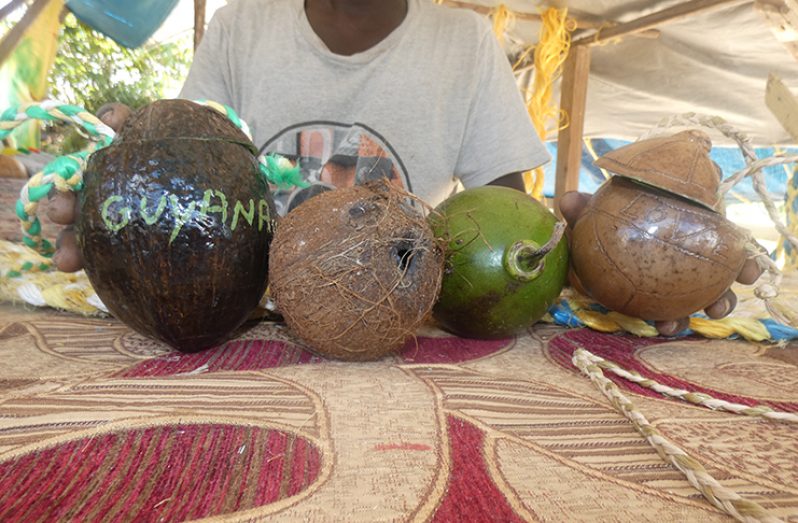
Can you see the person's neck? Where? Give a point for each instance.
(348, 27)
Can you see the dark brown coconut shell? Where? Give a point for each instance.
(653, 255)
(355, 271)
(679, 163)
(160, 259)
(181, 119)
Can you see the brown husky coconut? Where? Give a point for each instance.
(355, 271)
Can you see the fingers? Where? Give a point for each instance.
(67, 256)
(113, 114)
(750, 272)
(62, 207)
(671, 327)
(723, 306)
(572, 204)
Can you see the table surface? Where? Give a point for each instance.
(98, 422)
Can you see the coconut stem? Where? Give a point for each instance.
(525, 259)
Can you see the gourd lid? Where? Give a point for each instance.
(181, 119)
(678, 163)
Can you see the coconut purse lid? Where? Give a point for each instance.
(679, 164)
(178, 120)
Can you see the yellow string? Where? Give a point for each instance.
(550, 54)
(615, 322)
(748, 328)
(502, 19)
(68, 292)
(597, 35)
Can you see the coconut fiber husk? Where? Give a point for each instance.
(355, 271)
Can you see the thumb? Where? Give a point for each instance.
(114, 114)
(572, 204)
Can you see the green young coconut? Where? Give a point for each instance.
(506, 262)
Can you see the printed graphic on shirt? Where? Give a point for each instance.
(333, 155)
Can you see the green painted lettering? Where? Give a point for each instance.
(181, 215)
(123, 214)
(248, 215)
(117, 217)
(206, 207)
(151, 219)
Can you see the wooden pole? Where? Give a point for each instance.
(529, 61)
(10, 8)
(653, 20)
(573, 91)
(782, 16)
(11, 39)
(199, 21)
(573, 101)
(783, 104)
(582, 22)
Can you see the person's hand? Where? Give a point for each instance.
(63, 206)
(572, 204)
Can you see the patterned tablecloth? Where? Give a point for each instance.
(100, 424)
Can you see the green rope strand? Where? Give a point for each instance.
(65, 173)
(276, 169)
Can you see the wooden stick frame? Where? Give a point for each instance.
(574, 91)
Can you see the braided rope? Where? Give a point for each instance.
(37, 285)
(29, 274)
(696, 398)
(63, 174)
(579, 312)
(725, 499)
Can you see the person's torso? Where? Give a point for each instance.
(397, 110)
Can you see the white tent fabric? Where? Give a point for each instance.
(181, 19)
(716, 63)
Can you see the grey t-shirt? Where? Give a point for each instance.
(433, 103)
